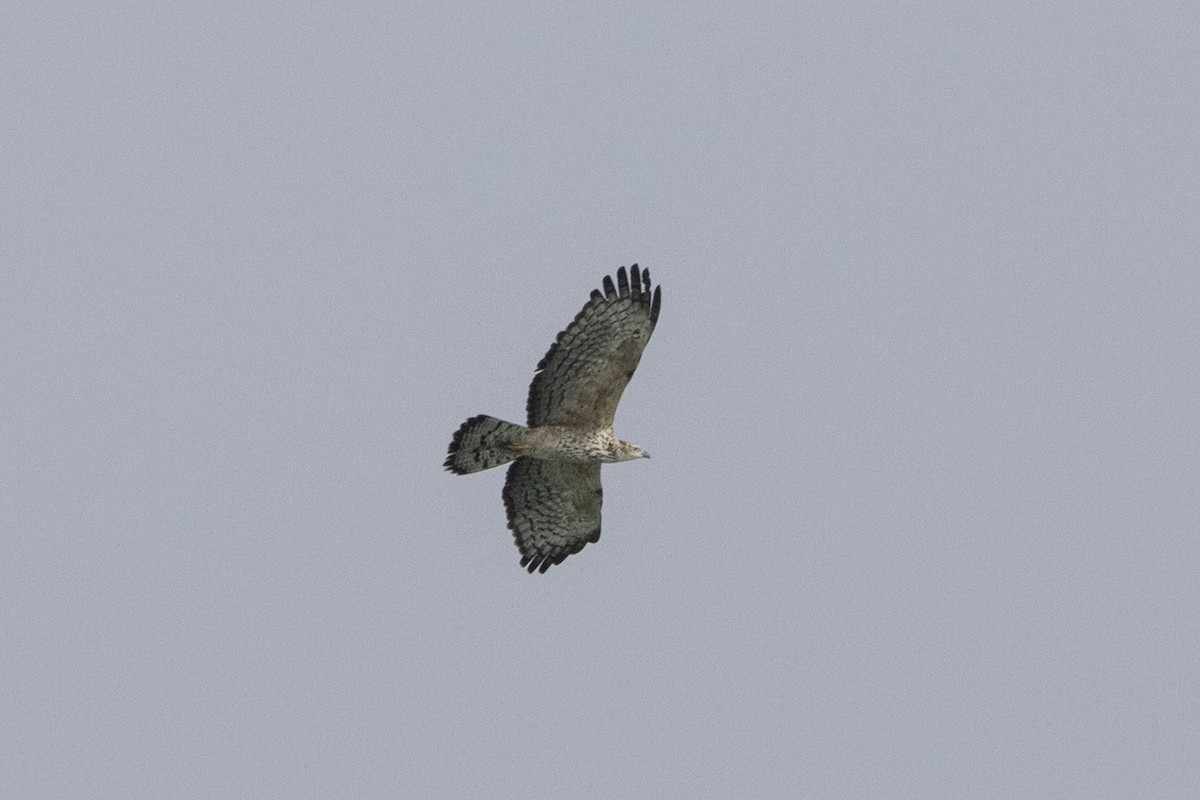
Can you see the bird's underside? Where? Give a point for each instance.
(552, 493)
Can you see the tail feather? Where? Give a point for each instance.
(481, 443)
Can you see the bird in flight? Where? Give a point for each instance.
(552, 493)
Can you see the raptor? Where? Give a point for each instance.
(552, 493)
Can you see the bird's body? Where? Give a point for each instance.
(552, 493)
(560, 443)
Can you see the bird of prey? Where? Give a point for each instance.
(552, 493)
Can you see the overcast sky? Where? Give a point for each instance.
(922, 519)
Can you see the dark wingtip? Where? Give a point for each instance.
(609, 289)
(540, 562)
(623, 281)
(656, 305)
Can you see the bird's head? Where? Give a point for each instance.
(628, 451)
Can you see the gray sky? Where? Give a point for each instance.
(922, 519)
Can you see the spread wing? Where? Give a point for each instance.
(580, 381)
(553, 509)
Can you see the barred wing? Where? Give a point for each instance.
(553, 509)
(582, 377)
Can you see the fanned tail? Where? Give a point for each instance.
(481, 443)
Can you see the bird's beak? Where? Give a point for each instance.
(645, 454)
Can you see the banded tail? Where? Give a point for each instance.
(481, 443)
